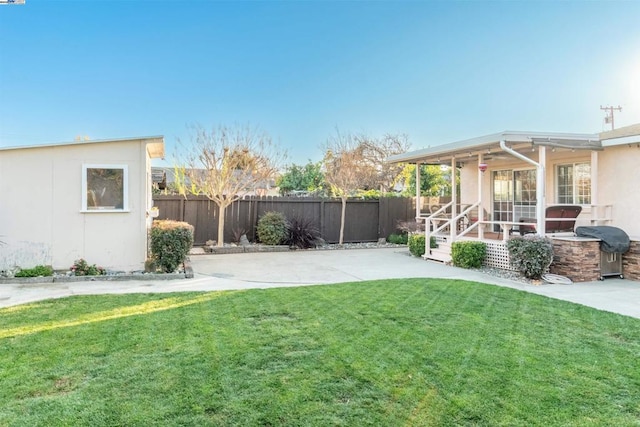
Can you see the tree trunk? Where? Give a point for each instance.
(342, 218)
(221, 209)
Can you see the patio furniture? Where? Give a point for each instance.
(559, 219)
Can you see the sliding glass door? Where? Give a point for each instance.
(514, 195)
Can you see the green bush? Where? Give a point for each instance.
(170, 243)
(531, 255)
(81, 267)
(398, 239)
(37, 271)
(468, 254)
(272, 228)
(416, 244)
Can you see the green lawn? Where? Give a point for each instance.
(384, 353)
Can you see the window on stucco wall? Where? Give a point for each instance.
(574, 183)
(105, 188)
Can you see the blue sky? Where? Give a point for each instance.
(438, 71)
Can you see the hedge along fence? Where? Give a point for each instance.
(367, 220)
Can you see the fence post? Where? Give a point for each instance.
(254, 217)
(322, 225)
(383, 205)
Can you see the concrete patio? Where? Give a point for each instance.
(303, 268)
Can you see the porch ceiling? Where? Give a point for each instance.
(489, 146)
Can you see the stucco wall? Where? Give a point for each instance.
(618, 181)
(41, 194)
(619, 185)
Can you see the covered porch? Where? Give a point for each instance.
(505, 183)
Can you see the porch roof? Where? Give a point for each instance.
(489, 146)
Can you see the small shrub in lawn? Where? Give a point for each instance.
(37, 271)
(81, 267)
(398, 239)
(170, 243)
(416, 244)
(531, 255)
(468, 254)
(272, 228)
(302, 233)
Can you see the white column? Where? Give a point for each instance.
(418, 194)
(541, 192)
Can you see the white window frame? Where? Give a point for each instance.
(574, 193)
(125, 187)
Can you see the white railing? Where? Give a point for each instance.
(439, 221)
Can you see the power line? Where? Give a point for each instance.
(609, 118)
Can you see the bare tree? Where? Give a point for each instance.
(225, 164)
(346, 170)
(375, 152)
(357, 162)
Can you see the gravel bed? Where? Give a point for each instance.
(508, 274)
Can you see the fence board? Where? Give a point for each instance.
(366, 220)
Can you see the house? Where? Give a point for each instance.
(82, 199)
(509, 176)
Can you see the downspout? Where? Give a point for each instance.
(594, 190)
(480, 208)
(540, 183)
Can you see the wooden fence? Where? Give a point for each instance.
(366, 220)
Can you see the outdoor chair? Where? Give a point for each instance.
(559, 219)
(472, 216)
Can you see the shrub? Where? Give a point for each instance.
(398, 239)
(272, 228)
(416, 244)
(302, 233)
(237, 234)
(170, 243)
(81, 267)
(37, 271)
(468, 254)
(531, 255)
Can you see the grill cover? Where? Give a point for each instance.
(612, 239)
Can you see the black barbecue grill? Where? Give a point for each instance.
(613, 243)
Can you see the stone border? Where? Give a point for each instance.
(215, 250)
(187, 274)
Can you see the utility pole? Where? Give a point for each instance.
(609, 117)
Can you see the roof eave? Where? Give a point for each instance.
(151, 139)
(488, 142)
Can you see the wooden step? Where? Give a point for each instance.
(442, 253)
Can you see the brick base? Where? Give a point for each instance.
(631, 262)
(578, 260)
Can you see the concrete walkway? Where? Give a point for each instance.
(296, 268)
